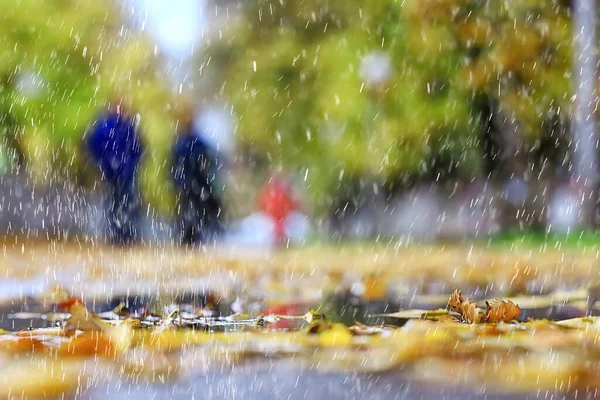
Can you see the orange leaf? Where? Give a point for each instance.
(30, 343)
(87, 344)
(501, 310)
(26, 344)
(374, 289)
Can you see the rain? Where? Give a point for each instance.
(298, 199)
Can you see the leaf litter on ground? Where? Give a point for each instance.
(168, 346)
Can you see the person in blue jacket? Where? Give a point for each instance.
(115, 145)
(195, 167)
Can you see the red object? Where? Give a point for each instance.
(276, 200)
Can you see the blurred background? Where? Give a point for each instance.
(420, 119)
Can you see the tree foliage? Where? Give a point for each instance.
(295, 76)
(60, 62)
(329, 89)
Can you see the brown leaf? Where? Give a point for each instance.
(468, 311)
(447, 318)
(471, 313)
(81, 318)
(455, 301)
(407, 314)
(498, 310)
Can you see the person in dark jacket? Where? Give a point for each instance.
(200, 213)
(115, 145)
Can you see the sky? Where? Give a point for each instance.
(175, 25)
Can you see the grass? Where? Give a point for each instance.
(577, 240)
(573, 240)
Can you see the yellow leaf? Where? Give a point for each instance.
(338, 335)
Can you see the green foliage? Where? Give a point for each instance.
(293, 75)
(585, 239)
(60, 61)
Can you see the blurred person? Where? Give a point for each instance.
(275, 200)
(195, 168)
(278, 219)
(115, 145)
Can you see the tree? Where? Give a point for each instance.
(334, 89)
(60, 61)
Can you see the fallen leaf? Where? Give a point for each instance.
(447, 318)
(337, 335)
(501, 310)
(35, 379)
(415, 314)
(81, 318)
(88, 344)
(469, 312)
(375, 289)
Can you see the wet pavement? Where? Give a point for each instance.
(277, 378)
(105, 276)
(285, 381)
